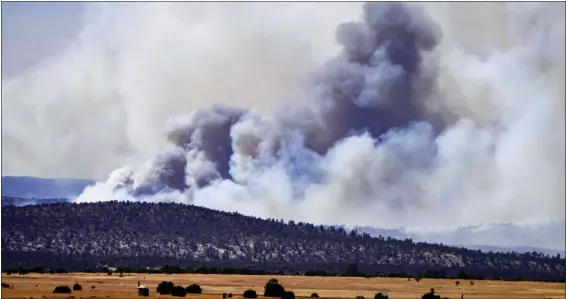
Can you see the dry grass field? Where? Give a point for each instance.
(42, 285)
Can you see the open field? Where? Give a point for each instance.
(42, 285)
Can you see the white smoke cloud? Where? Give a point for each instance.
(104, 101)
(415, 123)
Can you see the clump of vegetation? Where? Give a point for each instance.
(431, 295)
(380, 295)
(194, 289)
(457, 283)
(273, 289)
(472, 283)
(314, 295)
(250, 294)
(360, 297)
(93, 287)
(288, 295)
(5, 285)
(77, 287)
(62, 290)
(272, 281)
(178, 291)
(165, 287)
(224, 295)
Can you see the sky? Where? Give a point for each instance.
(35, 31)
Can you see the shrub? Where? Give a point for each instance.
(5, 285)
(165, 287)
(274, 290)
(178, 291)
(230, 295)
(93, 287)
(62, 290)
(471, 283)
(250, 294)
(77, 287)
(288, 295)
(360, 297)
(224, 295)
(457, 283)
(430, 295)
(314, 295)
(194, 289)
(380, 296)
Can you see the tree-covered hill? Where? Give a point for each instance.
(79, 236)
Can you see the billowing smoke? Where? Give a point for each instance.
(413, 123)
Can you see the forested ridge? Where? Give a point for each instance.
(140, 235)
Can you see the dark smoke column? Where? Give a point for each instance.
(378, 82)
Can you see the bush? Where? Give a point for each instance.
(165, 287)
(288, 295)
(77, 287)
(430, 295)
(314, 295)
(5, 285)
(194, 289)
(62, 290)
(93, 287)
(380, 296)
(273, 289)
(273, 280)
(250, 294)
(230, 295)
(178, 291)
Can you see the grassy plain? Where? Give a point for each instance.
(115, 287)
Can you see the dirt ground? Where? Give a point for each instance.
(42, 285)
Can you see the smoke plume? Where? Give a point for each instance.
(417, 121)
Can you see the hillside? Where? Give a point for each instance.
(79, 236)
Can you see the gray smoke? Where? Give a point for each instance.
(417, 121)
(377, 83)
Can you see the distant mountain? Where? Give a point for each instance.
(79, 236)
(32, 187)
(20, 202)
(519, 249)
(547, 238)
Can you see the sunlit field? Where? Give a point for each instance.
(105, 286)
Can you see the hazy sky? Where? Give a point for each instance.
(33, 31)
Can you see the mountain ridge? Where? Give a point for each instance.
(156, 234)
